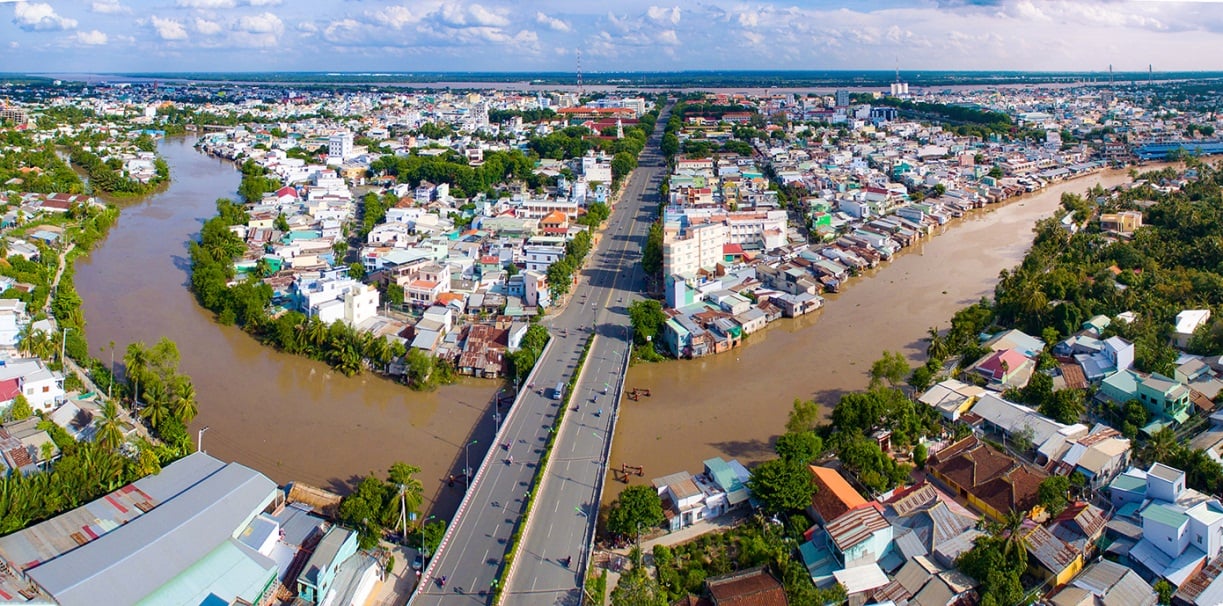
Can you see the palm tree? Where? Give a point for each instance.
(136, 359)
(183, 403)
(109, 435)
(156, 409)
(1161, 446)
(1016, 542)
(35, 342)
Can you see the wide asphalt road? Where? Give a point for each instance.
(566, 510)
(474, 549)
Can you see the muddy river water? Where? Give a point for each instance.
(295, 419)
(286, 416)
(736, 403)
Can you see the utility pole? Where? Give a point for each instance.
(199, 444)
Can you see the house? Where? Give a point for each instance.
(951, 398)
(991, 481)
(316, 580)
(1005, 368)
(12, 319)
(684, 499)
(924, 518)
(833, 495)
(1124, 223)
(1099, 456)
(1106, 583)
(1187, 322)
(752, 587)
(924, 582)
(1050, 558)
(41, 386)
(1019, 422)
(160, 540)
(1182, 529)
(860, 536)
(1018, 340)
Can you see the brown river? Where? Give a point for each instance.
(286, 416)
(735, 404)
(294, 419)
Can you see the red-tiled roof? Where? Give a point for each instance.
(833, 496)
(755, 587)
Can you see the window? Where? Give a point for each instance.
(1199, 539)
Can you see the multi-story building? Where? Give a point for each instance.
(685, 251)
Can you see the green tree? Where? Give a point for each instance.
(669, 145)
(20, 410)
(892, 366)
(804, 416)
(781, 486)
(363, 510)
(651, 255)
(281, 223)
(110, 434)
(799, 447)
(647, 318)
(638, 588)
(920, 454)
(1164, 590)
(1052, 493)
(637, 507)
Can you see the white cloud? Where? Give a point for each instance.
(668, 37)
(308, 27)
(396, 16)
(92, 37)
(38, 16)
(169, 29)
(109, 7)
(207, 3)
(662, 14)
(206, 27)
(551, 22)
(263, 2)
(486, 17)
(265, 23)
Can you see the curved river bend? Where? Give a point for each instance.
(295, 419)
(735, 404)
(287, 416)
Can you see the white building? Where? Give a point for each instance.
(42, 387)
(686, 251)
(339, 145)
(597, 167)
(539, 256)
(334, 296)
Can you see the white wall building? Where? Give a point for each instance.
(339, 145)
(686, 251)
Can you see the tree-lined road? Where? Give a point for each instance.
(472, 554)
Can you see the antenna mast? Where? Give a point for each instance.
(580, 90)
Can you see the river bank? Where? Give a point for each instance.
(291, 418)
(734, 405)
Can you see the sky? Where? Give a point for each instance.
(617, 35)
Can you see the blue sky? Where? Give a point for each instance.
(528, 35)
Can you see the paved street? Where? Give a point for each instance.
(471, 556)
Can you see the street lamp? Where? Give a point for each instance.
(467, 463)
(199, 444)
(63, 341)
(422, 538)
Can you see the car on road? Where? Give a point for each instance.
(418, 563)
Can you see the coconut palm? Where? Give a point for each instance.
(1161, 446)
(1016, 546)
(156, 405)
(182, 400)
(136, 359)
(35, 342)
(110, 435)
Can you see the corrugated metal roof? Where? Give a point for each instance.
(1052, 553)
(911, 545)
(855, 526)
(1164, 515)
(134, 560)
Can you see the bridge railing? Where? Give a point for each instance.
(489, 455)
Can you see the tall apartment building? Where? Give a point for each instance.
(686, 250)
